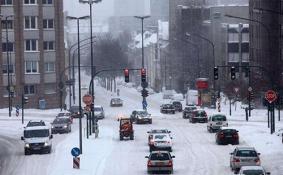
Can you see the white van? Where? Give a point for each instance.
(216, 122)
(37, 139)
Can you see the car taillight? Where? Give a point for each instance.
(236, 160)
(221, 135)
(151, 142)
(149, 163)
(170, 163)
(235, 136)
(257, 160)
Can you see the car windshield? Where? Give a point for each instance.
(159, 156)
(36, 133)
(219, 118)
(41, 123)
(142, 113)
(159, 131)
(201, 113)
(228, 131)
(163, 136)
(176, 103)
(63, 114)
(246, 153)
(60, 121)
(253, 172)
(97, 109)
(190, 108)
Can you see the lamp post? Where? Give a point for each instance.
(8, 62)
(90, 2)
(79, 72)
(143, 86)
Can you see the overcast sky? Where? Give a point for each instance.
(102, 9)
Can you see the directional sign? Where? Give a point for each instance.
(250, 89)
(75, 152)
(270, 96)
(87, 99)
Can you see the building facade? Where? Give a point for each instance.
(33, 44)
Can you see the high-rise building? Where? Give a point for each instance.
(33, 45)
(266, 48)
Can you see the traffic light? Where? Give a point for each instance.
(144, 93)
(215, 73)
(126, 74)
(143, 75)
(247, 71)
(233, 73)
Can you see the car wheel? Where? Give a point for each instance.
(132, 137)
(121, 137)
(27, 152)
(150, 122)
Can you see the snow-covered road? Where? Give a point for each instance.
(195, 149)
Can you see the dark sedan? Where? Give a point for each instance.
(75, 111)
(227, 136)
(61, 125)
(188, 110)
(167, 108)
(178, 106)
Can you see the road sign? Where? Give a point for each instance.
(270, 96)
(250, 89)
(236, 89)
(144, 84)
(87, 99)
(75, 152)
(144, 104)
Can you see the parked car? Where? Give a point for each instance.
(160, 161)
(177, 105)
(167, 108)
(161, 142)
(32, 123)
(227, 136)
(75, 111)
(116, 102)
(187, 110)
(141, 116)
(156, 131)
(253, 170)
(99, 112)
(244, 156)
(198, 115)
(61, 125)
(65, 115)
(216, 121)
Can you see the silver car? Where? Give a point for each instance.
(99, 112)
(244, 156)
(253, 170)
(160, 161)
(216, 122)
(61, 125)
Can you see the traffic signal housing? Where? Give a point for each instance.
(233, 73)
(144, 93)
(215, 73)
(25, 99)
(126, 74)
(143, 75)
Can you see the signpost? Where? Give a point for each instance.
(271, 96)
(76, 160)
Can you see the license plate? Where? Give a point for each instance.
(219, 123)
(228, 136)
(246, 160)
(159, 163)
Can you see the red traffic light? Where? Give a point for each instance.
(143, 71)
(126, 72)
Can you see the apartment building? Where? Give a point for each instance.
(33, 47)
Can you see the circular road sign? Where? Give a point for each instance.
(250, 89)
(87, 99)
(270, 96)
(75, 152)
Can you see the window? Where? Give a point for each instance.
(30, 22)
(49, 67)
(49, 88)
(48, 45)
(10, 24)
(5, 69)
(48, 23)
(233, 37)
(47, 1)
(29, 89)
(31, 67)
(8, 47)
(6, 2)
(31, 45)
(233, 57)
(30, 1)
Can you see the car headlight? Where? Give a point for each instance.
(52, 127)
(27, 145)
(139, 117)
(46, 144)
(65, 126)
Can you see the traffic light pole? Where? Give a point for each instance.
(23, 103)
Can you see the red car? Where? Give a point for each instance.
(198, 115)
(227, 136)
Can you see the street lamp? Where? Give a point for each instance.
(79, 72)
(90, 2)
(143, 85)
